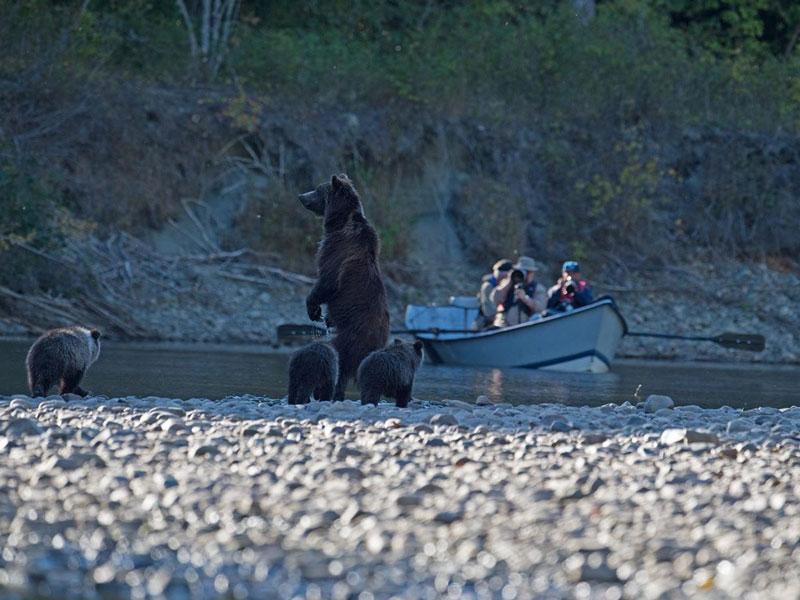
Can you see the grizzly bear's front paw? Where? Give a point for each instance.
(314, 311)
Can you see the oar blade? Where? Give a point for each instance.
(741, 341)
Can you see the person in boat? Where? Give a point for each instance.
(520, 297)
(571, 291)
(487, 308)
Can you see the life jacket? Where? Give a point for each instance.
(570, 298)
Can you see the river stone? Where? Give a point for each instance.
(550, 418)
(171, 426)
(18, 402)
(21, 427)
(482, 400)
(458, 404)
(344, 451)
(739, 426)
(594, 438)
(204, 450)
(673, 436)
(701, 437)
(443, 419)
(349, 472)
(409, 500)
(48, 405)
(655, 403)
(435, 443)
(561, 426)
(447, 517)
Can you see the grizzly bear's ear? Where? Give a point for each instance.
(336, 183)
(95, 334)
(397, 341)
(418, 347)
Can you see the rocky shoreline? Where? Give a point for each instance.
(249, 497)
(247, 309)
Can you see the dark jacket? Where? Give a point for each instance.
(580, 297)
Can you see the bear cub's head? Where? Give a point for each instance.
(335, 200)
(413, 351)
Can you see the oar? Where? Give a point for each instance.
(740, 341)
(290, 330)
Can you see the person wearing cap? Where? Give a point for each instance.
(520, 297)
(489, 282)
(571, 291)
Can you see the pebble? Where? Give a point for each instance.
(443, 419)
(22, 403)
(740, 426)
(249, 497)
(560, 425)
(655, 403)
(21, 427)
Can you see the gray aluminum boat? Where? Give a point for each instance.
(584, 339)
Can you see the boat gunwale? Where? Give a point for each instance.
(460, 337)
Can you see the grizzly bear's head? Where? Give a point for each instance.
(336, 200)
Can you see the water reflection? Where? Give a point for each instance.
(495, 391)
(186, 372)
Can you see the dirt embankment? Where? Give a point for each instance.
(190, 231)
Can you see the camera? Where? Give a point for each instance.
(517, 277)
(570, 287)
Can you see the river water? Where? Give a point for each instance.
(181, 371)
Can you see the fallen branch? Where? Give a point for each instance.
(45, 304)
(244, 278)
(193, 216)
(129, 330)
(288, 275)
(36, 251)
(215, 256)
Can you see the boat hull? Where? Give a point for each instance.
(585, 339)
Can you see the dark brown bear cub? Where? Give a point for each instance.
(348, 277)
(313, 368)
(390, 373)
(61, 356)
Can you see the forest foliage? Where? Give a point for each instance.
(604, 127)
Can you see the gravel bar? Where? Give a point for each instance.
(248, 497)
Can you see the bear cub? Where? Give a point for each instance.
(390, 372)
(61, 356)
(313, 368)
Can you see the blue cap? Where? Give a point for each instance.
(571, 265)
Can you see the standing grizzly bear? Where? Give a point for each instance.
(61, 356)
(312, 368)
(390, 372)
(348, 277)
